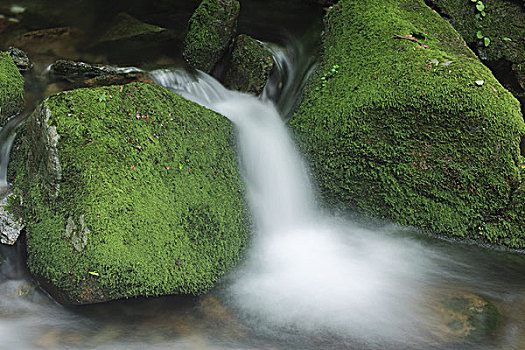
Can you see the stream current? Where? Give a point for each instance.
(310, 279)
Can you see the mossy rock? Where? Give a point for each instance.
(502, 24)
(11, 87)
(498, 37)
(402, 121)
(211, 28)
(249, 67)
(128, 191)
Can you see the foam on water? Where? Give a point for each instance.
(307, 270)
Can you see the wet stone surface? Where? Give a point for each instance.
(10, 227)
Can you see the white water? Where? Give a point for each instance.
(310, 280)
(307, 270)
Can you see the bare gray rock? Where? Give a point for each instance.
(10, 227)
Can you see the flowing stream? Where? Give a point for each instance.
(310, 279)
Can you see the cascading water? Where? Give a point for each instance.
(307, 270)
(7, 136)
(309, 281)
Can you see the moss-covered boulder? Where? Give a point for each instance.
(249, 67)
(502, 24)
(128, 190)
(11, 87)
(496, 33)
(402, 121)
(211, 28)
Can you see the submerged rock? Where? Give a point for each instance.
(125, 27)
(395, 125)
(128, 190)
(469, 316)
(210, 30)
(59, 41)
(11, 87)
(249, 67)
(129, 40)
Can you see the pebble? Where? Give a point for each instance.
(16, 9)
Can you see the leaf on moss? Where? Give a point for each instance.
(480, 6)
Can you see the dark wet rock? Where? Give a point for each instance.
(128, 191)
(249, 66)
(96, 75)
(128, 40)
(126, 27)
(20, 59)
(469, 316)
(72, 68)
(11, 87)
(402, 121)
(211, 29)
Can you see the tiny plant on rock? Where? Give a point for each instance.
(480, 14)
(327, 76)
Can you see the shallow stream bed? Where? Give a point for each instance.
(310, 280)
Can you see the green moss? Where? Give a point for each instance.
(503, 27)
(210, 30)
(11, 87)
(504, 19)
(249, 67)
(147, 199)
(403, 131)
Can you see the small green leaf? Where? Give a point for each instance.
(480, 6)
(478, 16)
(474, 0)
(507, 39)
(479, 35)
(486, 41)
(93, 273)
(483, 14)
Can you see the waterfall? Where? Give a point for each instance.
(7, 137)
(308, 270)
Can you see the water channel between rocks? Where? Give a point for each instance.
(310, 280)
